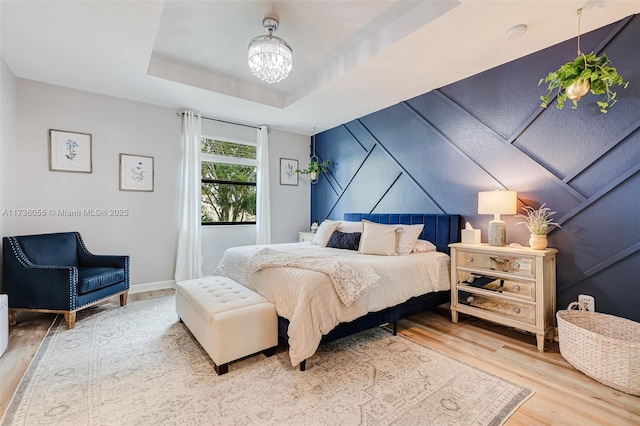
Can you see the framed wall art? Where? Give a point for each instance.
(136, 173)
(288, 175)
(69, 151)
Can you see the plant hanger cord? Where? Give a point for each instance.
(579, 51)
(579, 16)
(314, 157)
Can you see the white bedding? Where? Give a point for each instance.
(308, 299)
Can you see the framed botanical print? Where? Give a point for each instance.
(136, 173)
(69, 151)
(288, 174)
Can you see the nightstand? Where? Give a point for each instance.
(305, 236)
(515, 287)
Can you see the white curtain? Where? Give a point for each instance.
(189, 256)
(263, 203)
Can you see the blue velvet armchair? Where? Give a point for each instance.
(56, 273)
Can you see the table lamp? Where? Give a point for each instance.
(496, 203)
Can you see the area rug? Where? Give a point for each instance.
(137, 365)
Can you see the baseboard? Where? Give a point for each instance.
(159, 285)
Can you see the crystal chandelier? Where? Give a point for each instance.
(270, 57)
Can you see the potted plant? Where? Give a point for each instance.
(539, 223)
(587, 73)
(314, 169)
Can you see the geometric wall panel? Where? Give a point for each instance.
(433, 153)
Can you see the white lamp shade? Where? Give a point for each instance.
(497, 202)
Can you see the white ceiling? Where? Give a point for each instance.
(350, 57)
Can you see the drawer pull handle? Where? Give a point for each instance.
(470, 259)
(516, 288)
(516, 265)
(516, 310)
(470, 299)
(499, 259)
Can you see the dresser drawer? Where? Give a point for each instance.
(522, 289)
(520, 311)
(519, 265)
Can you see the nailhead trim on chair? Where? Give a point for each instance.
(22, 258)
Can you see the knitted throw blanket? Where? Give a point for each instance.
(350, 279)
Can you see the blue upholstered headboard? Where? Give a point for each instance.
(440, 229)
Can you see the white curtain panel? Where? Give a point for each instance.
(189, 256)
(263, 203)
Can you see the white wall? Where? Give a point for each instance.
(7, 149)
(290, 205)
(149, 233)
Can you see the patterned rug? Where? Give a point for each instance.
(137, 365)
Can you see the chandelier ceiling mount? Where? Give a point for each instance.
(270, 58)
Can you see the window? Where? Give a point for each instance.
(228, 182)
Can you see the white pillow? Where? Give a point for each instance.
(407, 237)
(378, 239)
(326, 228)
(349, 227)
(423, 246)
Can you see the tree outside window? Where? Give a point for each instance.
(228, 182)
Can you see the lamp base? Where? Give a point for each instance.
(497, 233)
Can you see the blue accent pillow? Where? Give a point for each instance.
(344, 240)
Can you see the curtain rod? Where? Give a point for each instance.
(226, 121)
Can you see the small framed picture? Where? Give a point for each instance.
(69, 151)
(288, 175)
(136, 173)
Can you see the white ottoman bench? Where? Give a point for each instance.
(229, 320)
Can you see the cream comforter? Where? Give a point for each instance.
(308, 299)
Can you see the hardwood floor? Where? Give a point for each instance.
(563, 395)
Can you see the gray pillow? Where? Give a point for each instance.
(344, 240)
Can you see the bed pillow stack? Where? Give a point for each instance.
(372, 238)
(388, 240)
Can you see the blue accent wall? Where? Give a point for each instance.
(435, 152)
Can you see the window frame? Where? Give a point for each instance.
(215, 158)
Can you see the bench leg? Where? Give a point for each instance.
(221, 369)
(123, 299)
(269, 352)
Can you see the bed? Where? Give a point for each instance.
(314, 313)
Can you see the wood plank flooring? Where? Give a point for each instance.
(563, 395)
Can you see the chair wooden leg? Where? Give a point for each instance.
(123, 299)
(70, 319)
(13, 317)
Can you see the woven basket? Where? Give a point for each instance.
(604, 347)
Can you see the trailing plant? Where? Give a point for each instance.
(538, 221)
(590, 72)
(314, 167)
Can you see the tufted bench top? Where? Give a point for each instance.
(211, 296)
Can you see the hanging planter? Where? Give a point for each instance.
(314, 169)
(586, 73)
